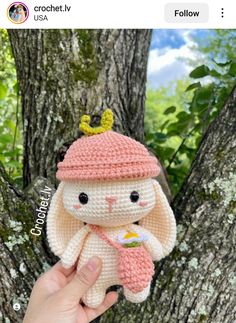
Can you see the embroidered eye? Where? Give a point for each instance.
(134, 196)
(83, 198)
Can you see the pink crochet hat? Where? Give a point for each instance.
(107, 156)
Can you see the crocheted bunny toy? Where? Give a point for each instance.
(106, 187)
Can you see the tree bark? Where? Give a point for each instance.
(65, 73)
(23, 258)
(197, 282)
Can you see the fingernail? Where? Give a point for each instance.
(93, 264)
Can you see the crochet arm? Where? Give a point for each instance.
(152, 245)
(74, 248)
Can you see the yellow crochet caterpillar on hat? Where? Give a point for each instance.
(106, 186)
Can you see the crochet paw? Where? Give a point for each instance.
(66, 263)
(137, 297)
(158, 254)
(94, 297)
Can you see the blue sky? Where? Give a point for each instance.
(168, 51)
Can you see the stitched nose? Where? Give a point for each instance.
(111, 200)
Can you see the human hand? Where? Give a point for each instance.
(57, 294)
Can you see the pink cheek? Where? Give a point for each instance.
(143, 204)
(77, 206)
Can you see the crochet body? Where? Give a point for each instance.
(107, 182)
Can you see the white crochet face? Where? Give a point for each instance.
(109, 203)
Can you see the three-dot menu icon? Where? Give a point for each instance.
(222, 12)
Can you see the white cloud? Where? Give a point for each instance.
(185, 34)
(165, 65)
(166, 74)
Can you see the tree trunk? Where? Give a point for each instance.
(23, 258)
(197, 283)
(66, 73)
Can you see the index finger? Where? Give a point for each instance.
(83, 280)
(58, 268)
(48, 282)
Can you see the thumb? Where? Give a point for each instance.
(83, 280)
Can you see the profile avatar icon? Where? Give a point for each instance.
(17, 12)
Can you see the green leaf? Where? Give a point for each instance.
(214, 73)
(164, 125)
(222, 64)
(193, 86)
(183, 116)
(16, 87)
(184, 121)
(232, 69)
(3, 91)
(170, 110)
(222, 96)
(8, 123)
(11, 153)
(13, 163)
(149, 137)
(161, 137)
(202, 97)
(200, 71)
(173, 132)
(6, 138)
(164, 152)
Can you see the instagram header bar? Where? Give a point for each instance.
(117, 14)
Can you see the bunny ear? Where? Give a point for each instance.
(161, 221)
(61, 225)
